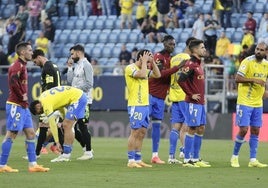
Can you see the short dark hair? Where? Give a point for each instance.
(188, 41)
(38, 52)
(195, 43)
(32, 106)
(141, 53)
(167, 37)
(21, 46)
(78, 47)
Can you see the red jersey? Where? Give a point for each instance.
(18, 83)
(192, 80)
(251, 24)
(158, 87)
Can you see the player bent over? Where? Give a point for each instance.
(59, 98)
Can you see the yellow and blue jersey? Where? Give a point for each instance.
(251, 94)
(59, 97)
(138, 88)
(175, 92)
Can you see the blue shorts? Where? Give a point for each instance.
(178, 112)
(77, 110)
(138, 116)
(248, 116)
(157, 107)
(195, 115)
(18, 118)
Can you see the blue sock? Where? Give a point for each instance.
(155, 135)
(173, 138)
(253, 145)
(188, 144)
(137, 155)
(131, 155)
(197, 145)
(6, 147)
(238, 143)
(30, 148)
(67, 148)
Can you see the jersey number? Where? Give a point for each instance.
(53, 91)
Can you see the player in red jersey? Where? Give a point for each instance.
(192, 82)
(18, 116)
(158, 88)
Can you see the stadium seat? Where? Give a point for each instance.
(66, 50)
(207, 8)
(184, 36)
(60, 24)
(178, 49)
(123, 37)
(109, 23)
(241, 20)
(64, 37)
(35, 34)
(113, 37)
(259, 7)
(140, 45)
(103, 37)
(106, 52)
(8, 11)
(96, 52)
(261, 1)
(116, 51)
(83, 36)
(237, 36)
(229, 32)
(130, 46)
(149, 46)
(134, 37)
(58, 50)
(176, 33)
(247, 6)
(99, 24)
(5, 39)
(79, 24)
(89, 24)
(102, 61)
(73, 37)
(158, 47)
(69, 24)
(28, 34)
(94, 36)
(62, 61)
(88, 48)
(117, 23)
(234, 19)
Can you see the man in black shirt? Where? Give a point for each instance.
(50, 77)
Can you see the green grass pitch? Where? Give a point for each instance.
(108, 168)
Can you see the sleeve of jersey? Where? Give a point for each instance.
(165, 71)
(185, 75)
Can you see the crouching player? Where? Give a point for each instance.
(59, 98)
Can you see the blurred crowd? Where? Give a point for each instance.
(153, 18)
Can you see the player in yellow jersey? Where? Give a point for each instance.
(136, 76)
(177, 97)
(59, 98)
(251, 78)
